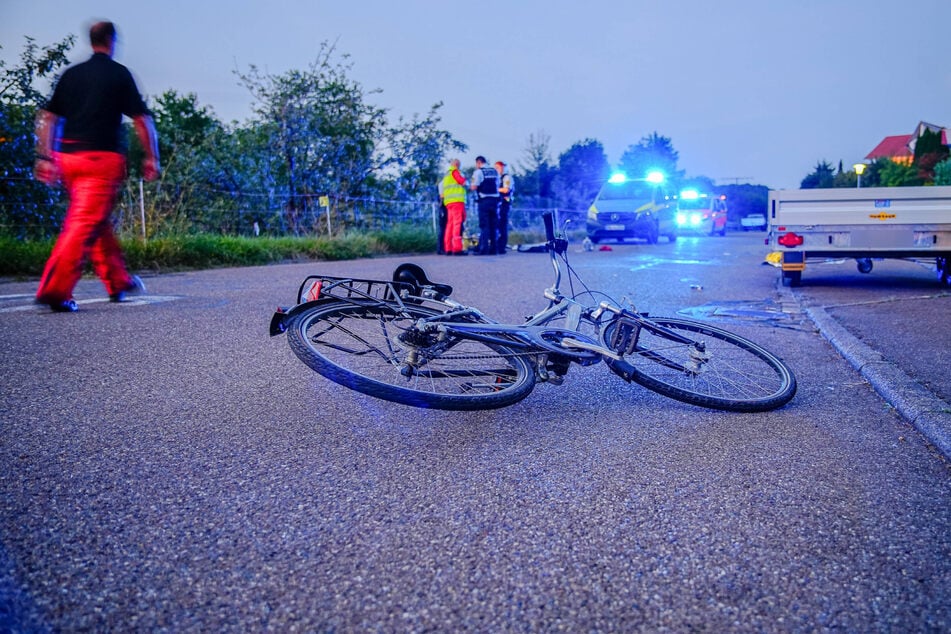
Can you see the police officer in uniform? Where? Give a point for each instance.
(506, 189)
(485, 183)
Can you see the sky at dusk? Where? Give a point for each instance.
(747, 90)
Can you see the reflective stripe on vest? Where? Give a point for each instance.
(452, 192)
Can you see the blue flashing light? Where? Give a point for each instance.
(655, 177)
(617, 178)
(689, 194)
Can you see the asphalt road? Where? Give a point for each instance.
(166, 466)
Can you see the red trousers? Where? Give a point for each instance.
(452, 241)
(93, 180)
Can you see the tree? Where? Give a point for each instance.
(321, 132)
(743, 200)
(823, 176)
(895, 174)
(192, 192)
(582, 169)
(873, 173)
(929, 151)
(844, 178)
(701, 183)
(537, 172)
(652, 152)
(415, 152)
(29, 208)
(942, 172)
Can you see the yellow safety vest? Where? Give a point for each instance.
(452, 192)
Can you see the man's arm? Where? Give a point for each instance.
(148, 137)
(477, 178)
(45, 169)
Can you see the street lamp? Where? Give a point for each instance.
(859, 170)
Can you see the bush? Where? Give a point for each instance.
(19, 257)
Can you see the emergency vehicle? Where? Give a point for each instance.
(628, 208)
(701, 213)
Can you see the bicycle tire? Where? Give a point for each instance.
(739, 375)
(356, 344)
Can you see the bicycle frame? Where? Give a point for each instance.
(528, 337)
(411, 325)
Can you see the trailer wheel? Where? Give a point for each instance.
(944, 271)
(864, 265)
(792, 278)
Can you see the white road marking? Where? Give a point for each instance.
(141, 300)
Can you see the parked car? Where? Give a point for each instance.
(632, 208)
(701, 213)
(753, 221)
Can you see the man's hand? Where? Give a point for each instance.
(46, 171)
(145, 129)
(150, 168)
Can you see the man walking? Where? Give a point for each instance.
(452, 192)
(506, 188)
(485, 182)
(79, 141)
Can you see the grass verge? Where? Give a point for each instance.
(176, 253)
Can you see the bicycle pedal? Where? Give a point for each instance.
(624, 338)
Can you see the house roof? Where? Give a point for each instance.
(891, 147)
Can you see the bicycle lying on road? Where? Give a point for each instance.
(405, 340)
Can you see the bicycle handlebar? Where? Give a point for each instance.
(549, 218)
(555, 244)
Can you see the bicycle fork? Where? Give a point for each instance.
(625, 340)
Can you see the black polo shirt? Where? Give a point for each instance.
(92, 97)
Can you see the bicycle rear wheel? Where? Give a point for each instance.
(728, 373)
(365, 346)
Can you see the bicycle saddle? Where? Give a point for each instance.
(414, 275)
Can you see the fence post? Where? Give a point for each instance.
(142, 207)
(325, 203)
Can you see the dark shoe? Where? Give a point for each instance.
(135, 287)
(57, 306)
(68, 306)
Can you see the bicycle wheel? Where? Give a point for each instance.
(367, 347)
(729, 373)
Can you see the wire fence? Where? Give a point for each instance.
(29, 208)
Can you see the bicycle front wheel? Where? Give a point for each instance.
(725, 371)
(374, 348)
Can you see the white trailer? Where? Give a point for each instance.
(862, 223)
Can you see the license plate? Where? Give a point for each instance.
(614, 227)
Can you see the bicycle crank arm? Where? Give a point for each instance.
(568, 342)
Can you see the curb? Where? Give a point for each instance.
(926, 412)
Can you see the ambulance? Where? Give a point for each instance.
(701, 213)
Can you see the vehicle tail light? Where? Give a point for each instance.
(790, 240)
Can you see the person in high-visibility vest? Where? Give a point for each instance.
(452, 191)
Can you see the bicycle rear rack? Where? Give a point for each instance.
(316, 287)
